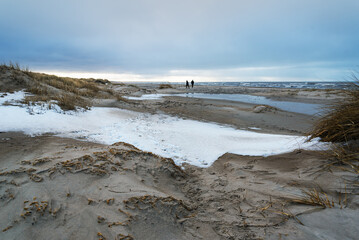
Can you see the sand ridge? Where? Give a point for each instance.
(67, 189)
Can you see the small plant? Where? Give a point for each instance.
(319, 198)
(345, 157)
(164, 86)
(121, 98)
(341, 121)
(315, 198)
(14, 66)
(69, 102)
(340, 126)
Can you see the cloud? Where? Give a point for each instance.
(157, 36)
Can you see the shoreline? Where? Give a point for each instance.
(234, 113)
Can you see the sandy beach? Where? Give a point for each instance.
(55, 187)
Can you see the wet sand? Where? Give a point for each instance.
(240, 115)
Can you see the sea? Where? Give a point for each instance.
(298, 107)
(299, 85)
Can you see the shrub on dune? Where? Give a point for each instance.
(69, 93)
(340, 126)
(164, 86)
(341, 123)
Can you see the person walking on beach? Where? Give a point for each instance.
(192, 83)
(187, 84)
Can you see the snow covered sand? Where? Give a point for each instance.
(12, 98)
(155, 96)
(189, 141)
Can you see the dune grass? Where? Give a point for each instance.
(344, 157)
(340, 126)
(69, 93)
(15, 66)
(81, 87)
(316, 197)
(341, 123)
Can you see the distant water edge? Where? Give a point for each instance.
(305, 85)
(295, 85)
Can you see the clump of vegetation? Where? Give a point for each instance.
(69, 93)
(340, 126)
(341, 123)
(164, 86)
(315, 197)
(15, 66)
(80, 87)
(122, 99)
(345, 156)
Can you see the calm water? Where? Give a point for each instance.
(300, 85)
(305, 108)
(298, 107)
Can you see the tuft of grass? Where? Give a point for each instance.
(314, 197)
(340, 126)
(38, 90)
(164, 86)
(319, 198)
(14, 66)
(118, 83)
(122, 99)
(341, 121)
(70, 102)
(345, 157)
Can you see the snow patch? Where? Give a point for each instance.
(16, 99)
(254, 128)
(189, 141)
(148, 97)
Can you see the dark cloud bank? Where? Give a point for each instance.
(314, 39)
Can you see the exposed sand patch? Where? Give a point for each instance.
(51, 187)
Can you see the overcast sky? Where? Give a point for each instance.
(170, 40)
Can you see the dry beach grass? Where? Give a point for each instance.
(340, 126)
(68, 93)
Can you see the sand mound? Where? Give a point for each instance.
(77, 193)
(58, 188)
